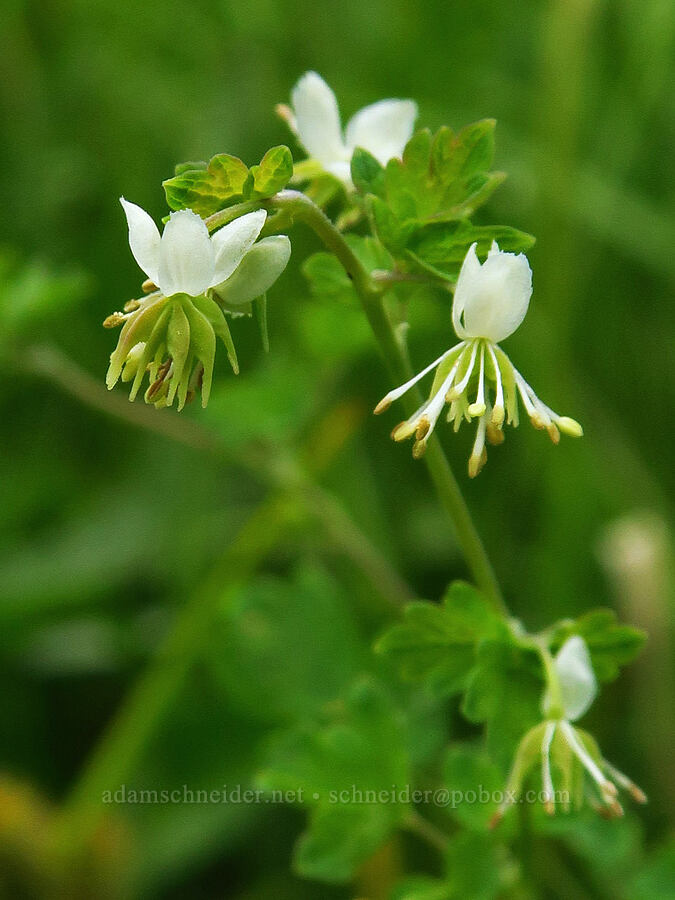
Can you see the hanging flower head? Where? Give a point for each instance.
(383, 128)
(475, 378)
(171, 333)
(558, 746)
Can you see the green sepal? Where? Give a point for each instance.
(135, 330)
(178, 346)
(210, 309)
(155, 340)
(274, 171)
(202, 346)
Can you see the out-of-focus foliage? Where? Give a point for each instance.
(108, 530)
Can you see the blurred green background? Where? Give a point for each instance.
(283, 511)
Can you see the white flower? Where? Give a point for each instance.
(475, 377)
(556, 744)
(383, 128)
(185, 259)
(171, 334)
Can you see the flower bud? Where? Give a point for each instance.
(256, 273)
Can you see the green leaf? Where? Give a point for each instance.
(286, 628)
(436, 644)
(473, 866)
(421, 887)
(611, 645)
(442, 246)
(477, 780)
(345, 769)
(224, 181)
(367, 173)
(504, 690)
(391, 231)
(443, 177)
(328, 279)
(180, 168)
(274, 172)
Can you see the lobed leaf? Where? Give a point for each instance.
(436, 644)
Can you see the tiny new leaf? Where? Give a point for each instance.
(207, 188)
(436, 643)
(273, 173)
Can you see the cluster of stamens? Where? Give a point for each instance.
(477, 380)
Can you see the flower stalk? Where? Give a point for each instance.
(301, 209)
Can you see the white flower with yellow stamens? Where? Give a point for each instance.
(475, 378)
(557, 745)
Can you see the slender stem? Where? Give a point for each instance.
(144, 708)
(556, 709)
(302, 209)
(423, 828)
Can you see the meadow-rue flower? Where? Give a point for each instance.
(560, 747)
(383, 128)
(475, 377)
(171, 333)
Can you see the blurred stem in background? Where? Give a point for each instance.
(297, 496)
(300, 208)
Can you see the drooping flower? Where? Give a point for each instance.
(558, 746)
(383, 128)
(171, 333)
(475, 377)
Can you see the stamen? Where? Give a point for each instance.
(607, 789)
(386, 401)
(498, 412)
(478, 408)
(623, 781)
(546, 777)
(149, 286)
(114, 319)
(569, 426)
(478, 456)
(461, 386)
(431, 414)
(131, 306)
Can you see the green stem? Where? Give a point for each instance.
(144, 708)
(423, 828)
(301, 208)
(556, 709)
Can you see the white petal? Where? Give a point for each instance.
(259, 269)
(467, 283)
(187, 257)
(383, 128)
(577, 679)
(317, 119)
(233, 241)
(495, 297)
(144, 238)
